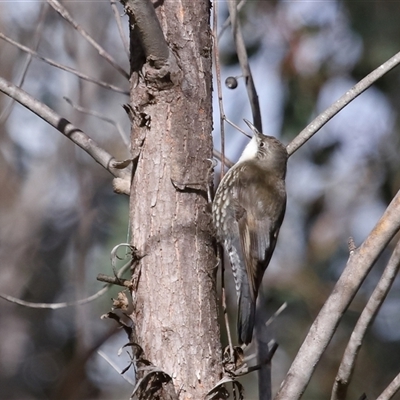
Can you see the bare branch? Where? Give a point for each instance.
(358, 265)
(371, 309)
(112, 280)
(63, 67)
(227, 22)
(219, 88)
(218, 156)
(100, 116)
(391, 390)
(244, 64)
(317, 123)
(64, 126)
(114, 366)
(36, 40)
(119, 25)
(103, 53)
(55, 306)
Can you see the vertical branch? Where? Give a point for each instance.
(219, 88)
(244, 64)
(119, 25)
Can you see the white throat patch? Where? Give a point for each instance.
(250, 151)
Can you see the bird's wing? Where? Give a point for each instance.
(262, 210)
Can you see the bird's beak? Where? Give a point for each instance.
(252, 127)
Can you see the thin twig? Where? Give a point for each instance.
(100, 116)
(63, 67)
(219, 88)
(36, 40)
(359, 264)
(316, 124)
(276, 314)
(237, 127)
(372, 307)
(227, 22)
(224, 307)
(120, 27)
(114, 280)
(218, 155)
(103, 53)
(222, 132)
(113, 365)
(65, 127)
(244, 64)
(56, 306)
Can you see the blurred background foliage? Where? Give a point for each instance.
(59, 217)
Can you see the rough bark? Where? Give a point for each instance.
(176, 312)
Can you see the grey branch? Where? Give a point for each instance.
(244, 64)
(56, 306)
(103, 53)
(313, 127)
(227, 22)
(391, 390)
(65, 127)
(149, 29)
(371, 309)
(63, 67)
(120, 27)
(6, 111)
(358, 265)
(96, 114)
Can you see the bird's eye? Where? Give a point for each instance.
(262, 144)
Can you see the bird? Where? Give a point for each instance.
(248, 211)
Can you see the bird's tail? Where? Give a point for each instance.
(246, 314)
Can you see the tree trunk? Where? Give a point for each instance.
(176, 311)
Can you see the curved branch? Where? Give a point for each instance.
(316, 124)
(358, 265)
(244, 64)
(371, 309)
(103, 53)
(65, 127)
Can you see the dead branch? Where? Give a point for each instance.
(371, 309)
(244, 64)
(65, 127)
(6, 111)
(103, 53)
(359, 264)
(119, 25)
(391, 390)
(63, 67)
(317, 123)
